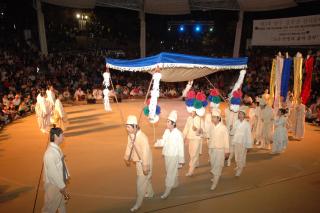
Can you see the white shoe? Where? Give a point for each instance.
(213, 187)
(229, 163)
(166, 193)
(238, 173)
(189, 174)
(134, 208)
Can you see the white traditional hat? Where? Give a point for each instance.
(216, 112)
(173, 116)
(132, 120)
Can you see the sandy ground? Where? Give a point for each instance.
(94, 146)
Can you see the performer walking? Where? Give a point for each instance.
(231, 117)
(193, 133)
(242, 140)
(55, 175)
(280, 136)
(138, 151)
(59, 116)
(173, 152)
(266, 127)
(218, 146)
(43, 112)
(299, 120)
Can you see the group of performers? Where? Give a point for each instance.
(49, 110)
(227, 137)
(257, 124)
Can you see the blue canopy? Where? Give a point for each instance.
(178, 67)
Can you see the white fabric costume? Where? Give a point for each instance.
(299, 121)
(280, 136)
(231, 117)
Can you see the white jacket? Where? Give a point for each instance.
(172, 142)
(53, 166)
(219, 137)
(242, 133)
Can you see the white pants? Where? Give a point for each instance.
(240, 155)
(144, 186)
(231, 149)
(194, 152)
(53, 199)
(216, 161)
(172, 164)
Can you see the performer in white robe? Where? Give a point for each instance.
(173, 152)
(266, 129)
(218, 146)
(291, 106)
(253, 119)
(138, 151)
(43, 112)
(280, 136)
(193, 133)
(231, 117)
(55, 175)
(299, 120)
(59, 117)
(51, 98)
(242, 140)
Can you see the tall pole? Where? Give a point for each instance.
(142, 31)
(41, 29)
(237, 40)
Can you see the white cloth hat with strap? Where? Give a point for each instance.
(132, 120)
(173, 116)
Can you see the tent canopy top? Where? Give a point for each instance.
(178, 67)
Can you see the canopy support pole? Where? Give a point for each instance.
(237, 40)
(41, 29)
(142, 30)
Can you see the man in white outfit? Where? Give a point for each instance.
(173, 152)
(138, 151)
(51, 98)
(193, 133)
(55, 175)
(218, 146)
(242, 140)
(265, 133)
(231, 117)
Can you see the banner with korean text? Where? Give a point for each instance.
(303, 30)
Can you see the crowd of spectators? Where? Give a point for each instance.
(77, 77)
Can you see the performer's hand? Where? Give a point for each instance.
(226, 155)
(65, 194)
(194, 128)
(127, 163)
(146, 172)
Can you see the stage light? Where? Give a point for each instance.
(197, 28)
(78, 15)
(86, 17)
(211, 29)
(169, 29)
(181, 28)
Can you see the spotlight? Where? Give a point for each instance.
(181, 28)
(85, 17)
(197, 28)
(211, 29)
(78, 15)
(169, 29)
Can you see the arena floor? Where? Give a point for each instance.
(94, 145)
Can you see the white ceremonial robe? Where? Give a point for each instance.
(54, 180)
(60, 114)
(144, 185)
(173, 152)
(266, 127)
(218, 147)
(231, 117)
(280, 136)
(195, 139)
(51, 98)
(299, 121)
(43, 113)
(242, 141)
(291, 115)
(253, 121)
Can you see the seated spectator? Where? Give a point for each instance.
(16, 102)
(90, 97)
(79, 95)
(66, 95)
(97, 94)
(23, 109)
